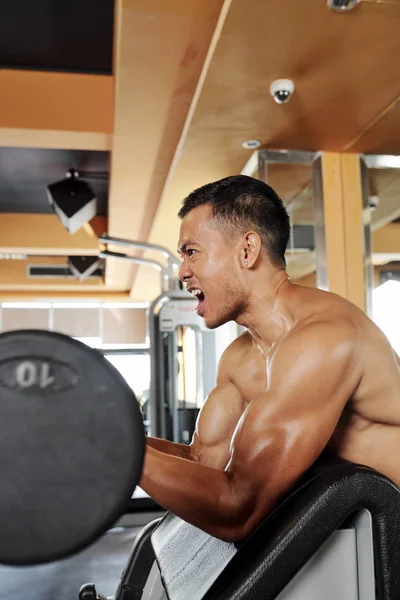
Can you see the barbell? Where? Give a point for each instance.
(71, 446)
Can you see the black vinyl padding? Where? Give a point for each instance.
(330, 492)
(134, 577)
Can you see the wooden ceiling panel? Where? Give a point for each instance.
(44, 235)
(56, 101)
(383, 137)
(54, 139)
(334, 101)
(160, 49)
(323, 52)
(191, 83)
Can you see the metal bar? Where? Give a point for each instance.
(319, 216)
(165, 279)
(157, 371)
(262, 167)
(101, 323)
(199, 368)
(368, 267)
(288, 156)
(124, 351)
(133, 259)
(381, 161)
(169, 280)
(51, 317)
(105, 239)
(172, 400)
(251, 166)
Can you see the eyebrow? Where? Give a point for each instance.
(183, 247)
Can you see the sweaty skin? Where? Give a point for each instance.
(312, 372)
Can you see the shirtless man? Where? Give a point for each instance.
(312, 371)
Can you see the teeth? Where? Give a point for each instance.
(195, 292)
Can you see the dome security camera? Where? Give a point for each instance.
(342, 5)
(281, 90)
(373, 202)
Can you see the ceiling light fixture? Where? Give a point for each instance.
(12, 256)
(251, 144)
(73, 201)
(83, 266)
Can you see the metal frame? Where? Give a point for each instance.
(125, 351)
(265, 157)
(372, 161)
(163, 344)
(368, 267)
(169, 279)
(139, 261)
(320, 239)
(303, 157)
(319, 234)
(381, 161)
(158, 425)
(260, 160)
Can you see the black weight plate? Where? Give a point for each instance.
(71, 446)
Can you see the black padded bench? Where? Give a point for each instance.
(336, 535)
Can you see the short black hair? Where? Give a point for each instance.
(240, 202)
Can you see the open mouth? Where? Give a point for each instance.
(201, 298)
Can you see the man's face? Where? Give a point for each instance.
(210, 264)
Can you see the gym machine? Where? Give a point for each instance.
(182, 350)
(183, 365)
(72, 441)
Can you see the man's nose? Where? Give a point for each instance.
(185, 272)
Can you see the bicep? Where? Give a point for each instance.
(274, 445)
(283, 431)
(224, 405)
(219, 415)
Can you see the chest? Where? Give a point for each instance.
(250, 377)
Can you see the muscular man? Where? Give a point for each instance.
(311, 372)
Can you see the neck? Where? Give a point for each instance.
(267, 319)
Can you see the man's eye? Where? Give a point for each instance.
(190, 251)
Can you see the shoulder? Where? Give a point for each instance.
(320, 313)
(317, 339)
(234, 354)
(323, 328)
(317, 342)
(315, 366)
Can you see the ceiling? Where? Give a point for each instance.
(47, 35)
(25, 173)
(161, 96)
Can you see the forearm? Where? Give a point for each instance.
(198, 494)
(167, 447)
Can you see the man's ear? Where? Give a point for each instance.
(250, 249)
